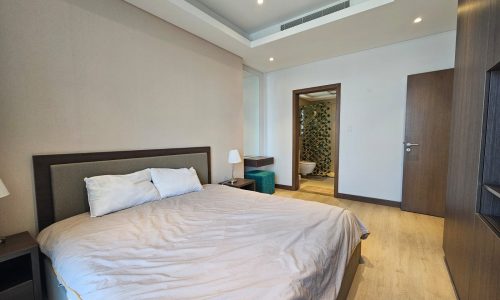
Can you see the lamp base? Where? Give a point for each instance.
(233, 180)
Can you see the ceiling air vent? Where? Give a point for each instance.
(316, 15)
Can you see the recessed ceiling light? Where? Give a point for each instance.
(271, 59)
(417, 20)
(260, 2)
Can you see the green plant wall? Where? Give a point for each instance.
(315, 131)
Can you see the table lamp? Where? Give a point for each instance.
(233, 158)
(3, 193)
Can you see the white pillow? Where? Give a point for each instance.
(110, 193)
(173, 182)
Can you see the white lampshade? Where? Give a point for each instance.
(234, 157)
(3, 190)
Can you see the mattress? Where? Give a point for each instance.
(220, 243)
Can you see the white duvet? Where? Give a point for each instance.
(220, 243)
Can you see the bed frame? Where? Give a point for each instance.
(60, 190)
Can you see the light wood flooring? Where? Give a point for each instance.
(402, 257)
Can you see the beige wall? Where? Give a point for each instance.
(94, 75)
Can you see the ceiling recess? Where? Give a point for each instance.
(318, 14)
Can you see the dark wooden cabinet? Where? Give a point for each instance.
(470, 241)
(489, 201)
(465, 142)
(19, 268)
(241, 183)
(258, 161)
(485, 272)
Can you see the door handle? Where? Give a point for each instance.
(408, 146)
(411, 144)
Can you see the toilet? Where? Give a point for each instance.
(306, 167)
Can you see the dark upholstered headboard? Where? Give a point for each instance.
(60, 189)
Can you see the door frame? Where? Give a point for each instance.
(296, 132)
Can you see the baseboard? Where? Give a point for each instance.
(369, 200)
(283, 187)
(351, 197)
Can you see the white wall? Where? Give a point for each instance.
(251, 109)
(94, 75)
(372, 116)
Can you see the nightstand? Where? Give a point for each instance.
(20, 268)
(241, 183)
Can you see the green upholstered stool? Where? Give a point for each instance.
(264, 180)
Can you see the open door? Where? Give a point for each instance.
(426, 144)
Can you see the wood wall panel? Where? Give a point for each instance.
(485, 274)
(465, 143)
(466, 138)
(472, 247)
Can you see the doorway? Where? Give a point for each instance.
(316, 125)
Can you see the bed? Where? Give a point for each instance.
(220, 243)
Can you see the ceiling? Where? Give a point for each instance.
(251, 17)
(319, 96)
(366, 24)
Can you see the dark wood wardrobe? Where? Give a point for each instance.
(471, 235)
